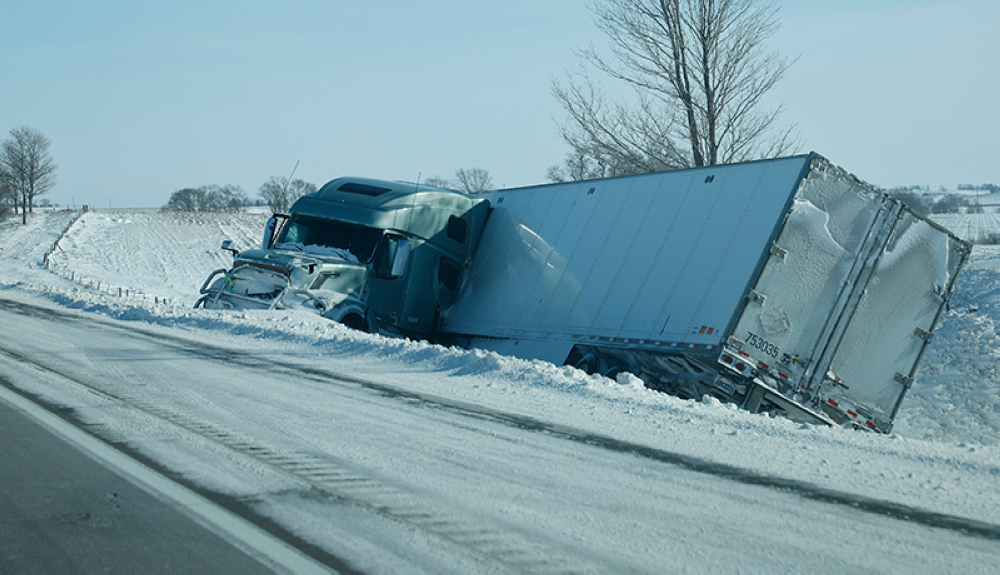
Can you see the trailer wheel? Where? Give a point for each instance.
(587, 363)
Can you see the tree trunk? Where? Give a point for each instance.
(700, 70)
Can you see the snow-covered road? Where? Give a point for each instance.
(400, 456)
(395, 480)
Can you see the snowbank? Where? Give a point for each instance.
(163, 257)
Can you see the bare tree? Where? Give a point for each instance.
(468, 180)
(28, 169)
(211, 198)
(228, 198)
(699, 71)
(578, 166)
(473, 180)
(186, 200)
(949, 204)
(911, 199)
(279, 193)
(7, 196)
(437, 182)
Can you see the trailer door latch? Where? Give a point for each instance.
(906, 382)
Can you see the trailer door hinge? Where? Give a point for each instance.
(735, 342)
(903, 380)
(924, 334)
(757, 297)
(778, 251)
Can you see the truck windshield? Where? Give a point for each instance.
(328, 237)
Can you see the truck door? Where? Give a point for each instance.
(387, 287)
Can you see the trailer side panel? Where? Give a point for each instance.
(663, 257)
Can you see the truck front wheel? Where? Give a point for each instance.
(355, 321)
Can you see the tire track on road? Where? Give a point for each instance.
(326, 475)
(736, 474)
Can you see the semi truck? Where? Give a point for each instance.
(786, 286)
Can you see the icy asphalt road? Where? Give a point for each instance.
(386, 480)
(71, 504)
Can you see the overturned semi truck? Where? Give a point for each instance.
(785, 286)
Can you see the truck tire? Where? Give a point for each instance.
(588, 363)
(356, 321)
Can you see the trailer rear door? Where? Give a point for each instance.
(805, 284)
(887, 333)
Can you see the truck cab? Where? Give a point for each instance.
(379, 256)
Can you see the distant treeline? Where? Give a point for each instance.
(961, 188)
(210, 198)
(947, 204)
(981, 187)
(277, 193)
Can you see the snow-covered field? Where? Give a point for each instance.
(943, 456)
(161, 255)
(970, 227)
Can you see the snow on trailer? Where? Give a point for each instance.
(787, 285)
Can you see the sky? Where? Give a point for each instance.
(142, 99)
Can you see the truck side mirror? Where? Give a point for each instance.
(227, 245)
(274, 225)
(272, 229)
(268, 238)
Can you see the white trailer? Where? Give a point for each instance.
(786, 286)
